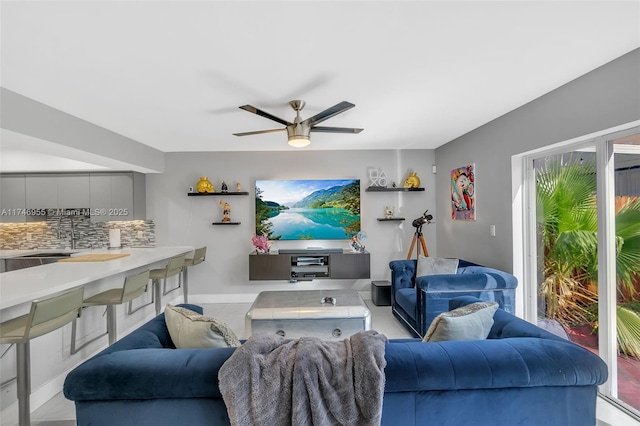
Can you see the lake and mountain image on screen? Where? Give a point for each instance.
(325, 209)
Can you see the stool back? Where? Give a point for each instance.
(199, 255)
(52, 313)
(134, 286)
(174, 267)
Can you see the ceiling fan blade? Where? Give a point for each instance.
(264, 114)
(329, 112)
(335, 129)
(257, 132)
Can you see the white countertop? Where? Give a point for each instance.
(25, 285)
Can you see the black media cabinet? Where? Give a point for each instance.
(306, 265)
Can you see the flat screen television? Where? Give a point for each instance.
(308, 209)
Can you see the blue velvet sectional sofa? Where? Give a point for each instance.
(416, 301)
(520, 375)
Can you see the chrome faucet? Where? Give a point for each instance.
(73, 231)
(60, 226)
(73, 234)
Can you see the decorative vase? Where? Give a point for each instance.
(261, 251)
(204, 186)
(412, 181)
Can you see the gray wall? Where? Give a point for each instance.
(604, 98)
(183, 220)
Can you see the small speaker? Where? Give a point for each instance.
(381, 293)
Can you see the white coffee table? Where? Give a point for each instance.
(328, 314)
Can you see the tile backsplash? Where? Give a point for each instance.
(55, 233)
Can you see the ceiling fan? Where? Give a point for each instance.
(298, 131)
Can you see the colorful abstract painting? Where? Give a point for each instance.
(463, 193)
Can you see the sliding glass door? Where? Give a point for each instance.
(626, 188)
(566, 223)
(584, 250)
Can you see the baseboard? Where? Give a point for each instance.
(198, 299)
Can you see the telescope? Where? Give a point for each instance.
(417, 223)
(425, 218)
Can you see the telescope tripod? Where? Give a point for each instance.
(418, 237)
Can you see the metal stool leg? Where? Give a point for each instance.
(111, 324)
(185, 285)
(74, 326)
(23, 383)
(157, 296)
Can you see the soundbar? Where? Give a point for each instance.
(310, 250)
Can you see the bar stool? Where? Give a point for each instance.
(173, 268)
(198, 257)
(134, 286)
(46, 315)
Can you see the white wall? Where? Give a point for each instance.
(187, 220)
(31, 126)
(604, 98)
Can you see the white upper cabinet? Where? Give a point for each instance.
(73, 191)
(117, 196)
(41, 191)
(108, 196)
(12, 199)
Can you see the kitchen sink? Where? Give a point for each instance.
(31, 260)
(51, 255)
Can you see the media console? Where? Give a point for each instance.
(306, 265)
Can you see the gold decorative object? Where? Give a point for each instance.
(226, 211)
(412, 181)
(204, 185)
(238, 187)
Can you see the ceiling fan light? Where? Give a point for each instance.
(299, 141)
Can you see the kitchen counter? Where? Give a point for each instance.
(50, 357)
(24, 285)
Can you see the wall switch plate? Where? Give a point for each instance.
(140, 234)
(492, 230)
(29, 236)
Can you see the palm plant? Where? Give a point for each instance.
(567, 220)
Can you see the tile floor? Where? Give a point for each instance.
(60, 412)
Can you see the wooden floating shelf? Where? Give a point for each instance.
(201, 194)
(384, 219)
(384, 189)
(226, 223)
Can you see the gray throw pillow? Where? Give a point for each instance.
(470, 322)
(189, 329)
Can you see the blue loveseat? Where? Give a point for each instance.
(520, 375)
(416, 301)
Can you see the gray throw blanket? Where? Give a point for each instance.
(273, 381)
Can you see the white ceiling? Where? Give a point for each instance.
(172, 74)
